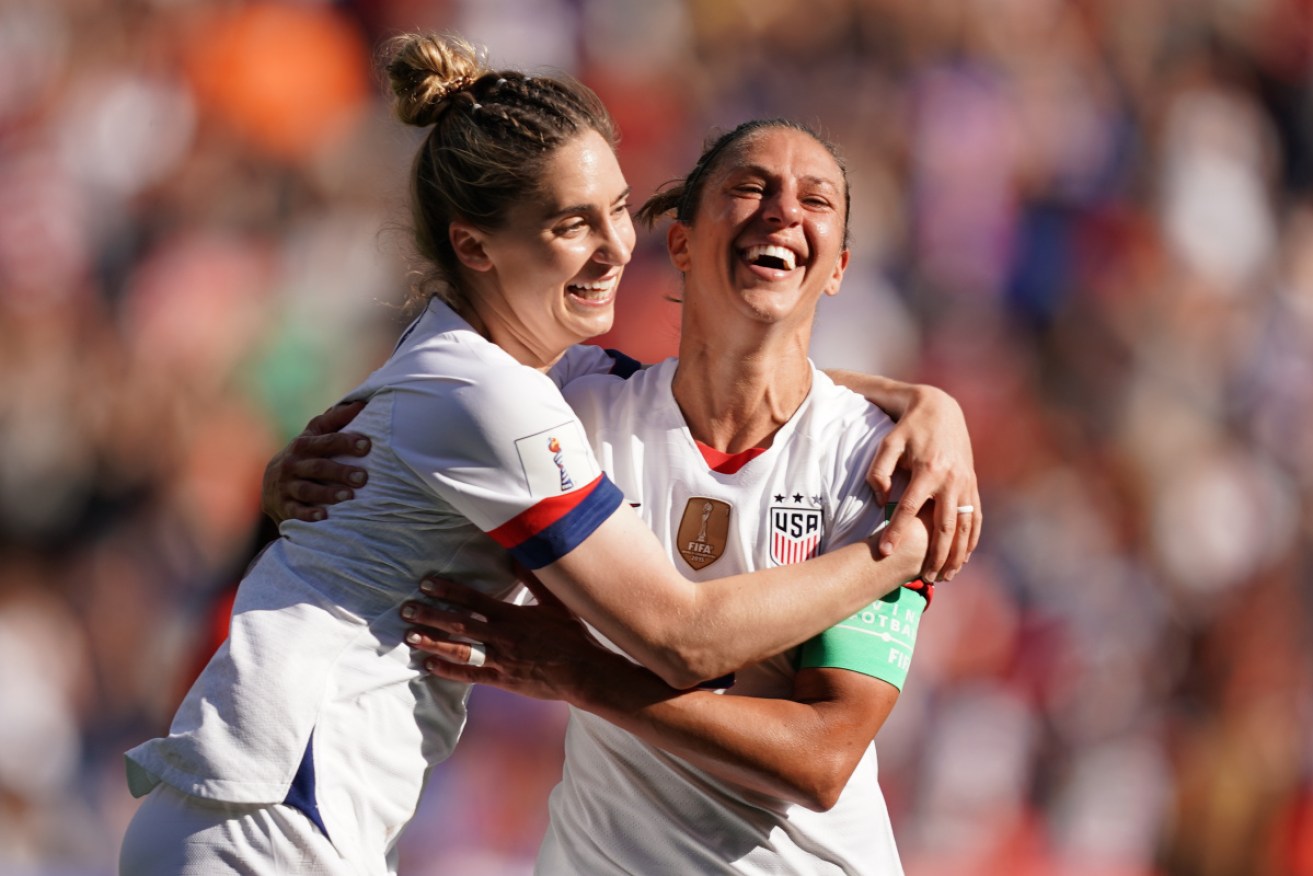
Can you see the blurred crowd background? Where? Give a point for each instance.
(1089, 220)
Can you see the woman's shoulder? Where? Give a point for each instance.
(845, 427)
(437, 356)
(614, 393)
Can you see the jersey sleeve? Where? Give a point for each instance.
(856, 513)
(509, 455)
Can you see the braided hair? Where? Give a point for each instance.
(491, 134)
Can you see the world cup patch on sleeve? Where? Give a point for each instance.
(556, 460)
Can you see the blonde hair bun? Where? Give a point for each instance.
(429, 73)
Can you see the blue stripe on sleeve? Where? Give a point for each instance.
(569, 532)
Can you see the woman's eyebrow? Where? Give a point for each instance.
(759, 170)
(821, 182)
(584, 208)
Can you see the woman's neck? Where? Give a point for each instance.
(522, 349)
(737, 398)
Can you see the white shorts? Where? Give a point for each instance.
(176, 834)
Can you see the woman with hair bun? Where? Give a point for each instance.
(305, 744)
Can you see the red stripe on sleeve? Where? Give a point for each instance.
(532, 521)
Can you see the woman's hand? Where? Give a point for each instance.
(302, 478)
(540, 651)
(931, 442)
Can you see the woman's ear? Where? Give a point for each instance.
(467, 241)
(677, 245)
(836, 278)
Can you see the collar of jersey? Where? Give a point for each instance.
(728, 463)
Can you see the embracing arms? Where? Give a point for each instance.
(930, 441)
(620, 579)
(803, 748)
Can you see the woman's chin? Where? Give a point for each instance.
(594, 325)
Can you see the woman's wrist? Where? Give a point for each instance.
(913, 396)
(613, 683)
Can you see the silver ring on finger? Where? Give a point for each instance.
(966, 509)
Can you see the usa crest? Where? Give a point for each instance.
(703, 531)
(795, 534)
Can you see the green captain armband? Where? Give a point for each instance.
(877, 641)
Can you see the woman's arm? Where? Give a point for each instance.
(802, 749)
(621, 581)
(931, 441)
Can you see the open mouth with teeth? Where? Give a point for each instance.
(596, 292)
(778, 258)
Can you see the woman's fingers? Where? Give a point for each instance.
(335, 419)
(464, 653)
(458, 595)
(943, 530)
(880, 476)
(426, 618)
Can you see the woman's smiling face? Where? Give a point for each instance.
(549, 275)
(767, 232)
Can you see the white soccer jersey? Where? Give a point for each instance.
(314, 699)
(624, 806)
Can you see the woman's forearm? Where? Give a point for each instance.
(620, 581)
(803, 752)
(894, 397)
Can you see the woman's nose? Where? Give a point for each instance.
(783, 207)
(617, 245)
